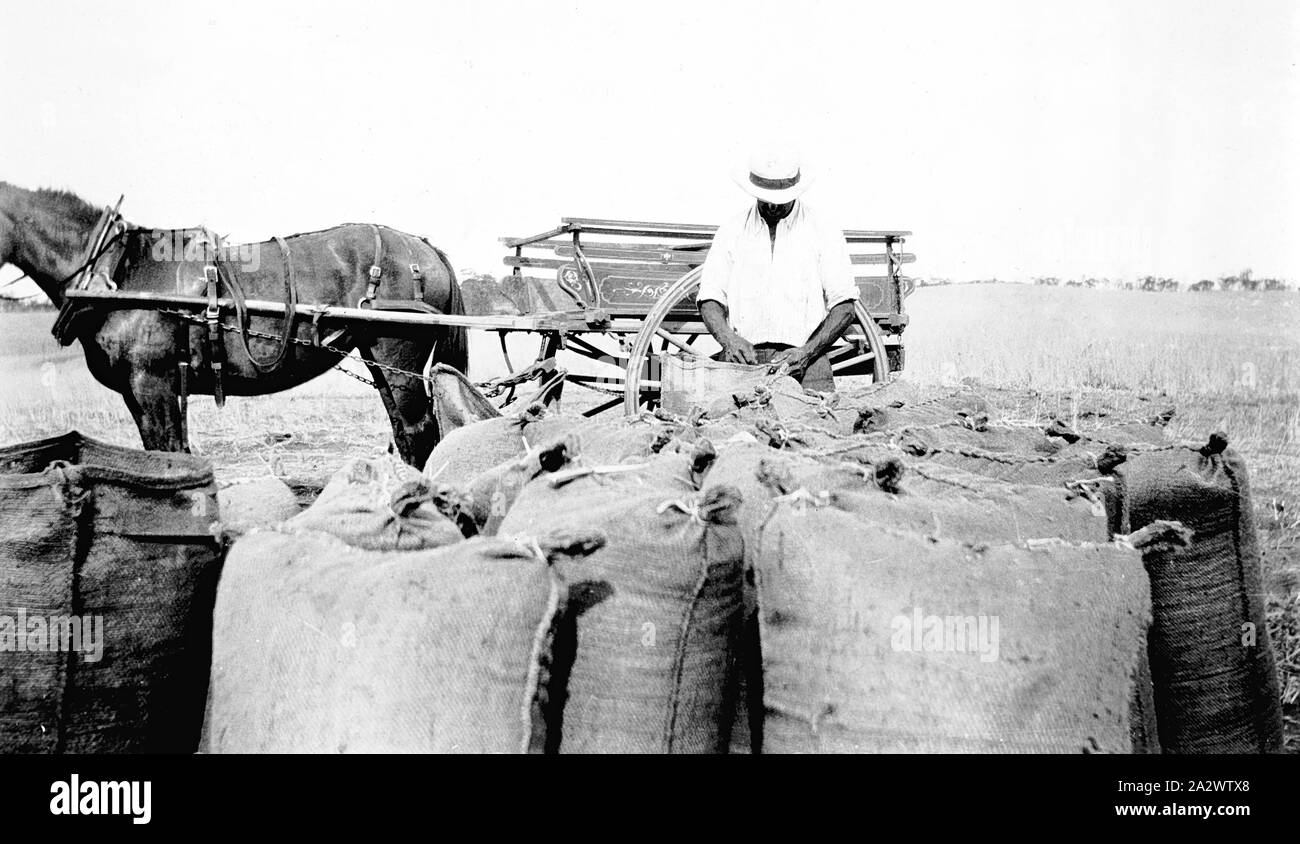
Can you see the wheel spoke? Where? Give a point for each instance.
(841, 352)
(601, 408)
(845, 364)
(668, 338)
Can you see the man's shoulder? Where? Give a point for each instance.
(813, 216)
(730, 232)
(736, 222)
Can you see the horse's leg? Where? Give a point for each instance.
(408, 405)
(154, 403)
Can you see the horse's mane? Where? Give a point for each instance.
(64, 201)
(69, 203)
(68, 216)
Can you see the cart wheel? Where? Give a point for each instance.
(860, 352)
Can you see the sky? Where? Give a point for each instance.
(1014, 139)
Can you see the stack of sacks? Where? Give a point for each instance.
(1038, 459)
(933, 500)
(466, 452)
(380, 505)
(937, 502)
(653, 616)
(374, 627)
(490, 495)
(602, 442)
(892, 406)
(877, 640)
(1212, 662)
(1099, 439)
(109, 559)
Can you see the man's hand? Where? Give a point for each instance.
(737, 349)
(794, 362)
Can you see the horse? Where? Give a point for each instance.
(155, 359)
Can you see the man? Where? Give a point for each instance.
(777, 286)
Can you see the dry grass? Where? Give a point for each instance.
(1226, 361)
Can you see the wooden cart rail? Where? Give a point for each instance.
(577, 264)
(569, 225)
(625, 268)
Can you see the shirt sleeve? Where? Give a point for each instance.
(715, 276)
(836, 269)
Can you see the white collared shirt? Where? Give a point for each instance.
(778, 293)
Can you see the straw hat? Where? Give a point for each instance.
(773, 176)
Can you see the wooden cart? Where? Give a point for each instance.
(637, 281)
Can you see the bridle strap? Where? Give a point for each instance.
(376, 272)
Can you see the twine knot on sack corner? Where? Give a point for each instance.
(759, 396)
(535, 412)
(451, 501)
(1217, 445)
(827, 403)
(887, 474)
(68, 486)
(703, 455)
(778, 434)
(410, 497)
(710, 507)
(908, 442)
(531, 547)
(1160, 536)
(1087, 489)
(555, 456)
(570, 543)
(804, 497)
(1108, 460)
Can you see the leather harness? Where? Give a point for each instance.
(111, 227)
(214, 277)
(108, 230)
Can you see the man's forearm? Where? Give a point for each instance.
(832, 327)
(715, 319)
(734, 347)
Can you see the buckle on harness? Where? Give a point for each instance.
(375, 272)
(417, 282)
(213, 312)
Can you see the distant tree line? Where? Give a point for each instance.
(38, 302)
(1243, 280)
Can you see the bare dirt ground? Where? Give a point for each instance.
(1225, 361)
